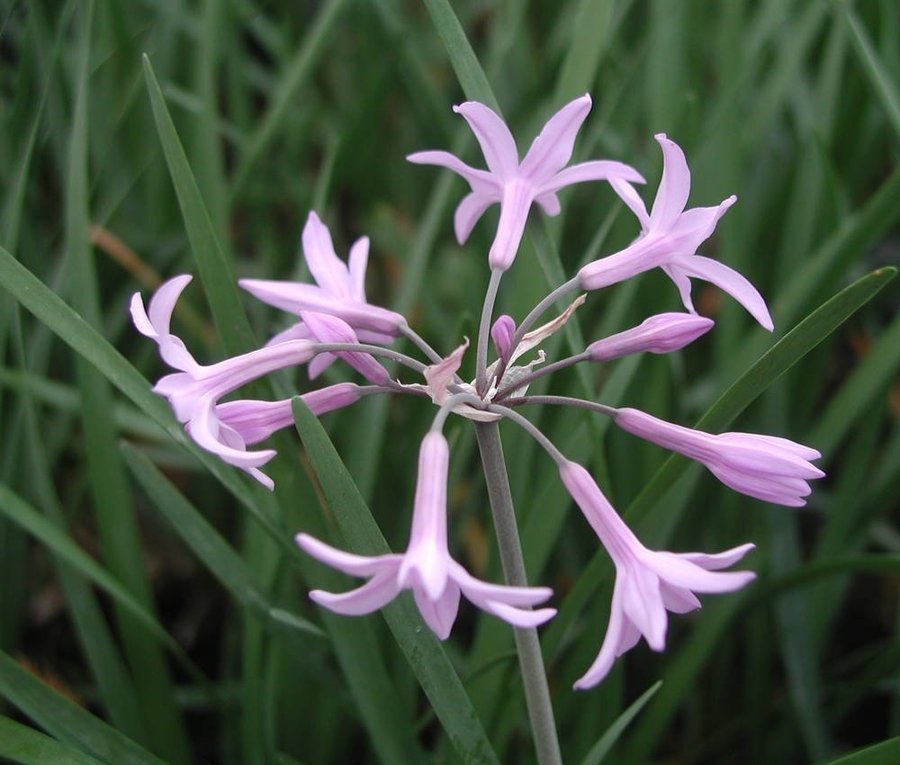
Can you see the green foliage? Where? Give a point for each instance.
(152, 603)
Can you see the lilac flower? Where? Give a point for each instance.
(766, 467)
(331, 329)
(648, 583)
(516, 186)
(502, 333)
(663, 333)
(339, 291)
(436, 580)
(670, 236)
(194, 391)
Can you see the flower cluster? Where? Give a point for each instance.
(334, 321)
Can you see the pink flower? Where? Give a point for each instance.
(340, 291)
(670, 236)
(194, 391)
(331, 329)
(663, 333)
(436, 580)
(649, 583)
(766, 467)
(516, 186)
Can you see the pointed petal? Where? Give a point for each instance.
(162, 304)
(514, 207)
(319, 364)
(481, 181)
(730, 281)
(356, 263)
(497, 143)
(549, 203)
(679, 572)
(617, 173)
(439, 614)
(331, 329)
(480, 592)
(468, 214)
(296, 331)
(643, 605)
(609, 650)
(678, 600)
(682, 282)
(716, 561)
(519, 617)
(552, 148)
(628, 194)
(355, 565)
(674, 187)
(374, 594)
(325, 266)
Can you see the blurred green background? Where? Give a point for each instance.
(162, 596)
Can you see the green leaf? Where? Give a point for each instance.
(885, 753)
(608, 740)
(422, 649)
(65, 721)
(24, 745)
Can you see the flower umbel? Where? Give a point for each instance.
(334, 322)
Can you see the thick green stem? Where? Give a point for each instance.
(531, 662)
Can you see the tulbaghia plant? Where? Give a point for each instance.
(333, 321)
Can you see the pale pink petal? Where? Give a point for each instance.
(517, 198)
(663, 333)
(480, 592)
(695, 226)
(497, 143)
(162, 304)
(327, 269)
(331, 329)
(354, 565)
(481, 181)
(595, 170)
(519, 617)
(674, 187)
(319, 364)
(549, 203)
(439, 614)
(374, 594)
(296, 331)
(683, 283)
(716, 561)
(792, 447)
(678, 600)
(610, 649)
(552, 148)
(632, 200)
(731, 282)
(682, 573)
(468, 213)
(643, 605)
(357, 261)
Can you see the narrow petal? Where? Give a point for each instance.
(672, 568)
(549, 203)
(595, 170)
(519, 617)
(609, 650)
(325, 266)
(716, 561)
(730, 281)
(514, 207)
(439, 376)
(682, 282)
(497, 143)
(469, 212)
(678, 600)
(356, 265)
(481, 181)
(479, 592)
(628, 194)
(439, 614)
(552, 148)
(162, 304)
(643, 604)
(332, 329)
(355, 565)
(374, 594)
(674, 187)
(319, 364)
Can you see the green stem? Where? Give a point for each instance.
(531, 662)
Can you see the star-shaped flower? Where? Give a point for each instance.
(426, 568)
(540, 175)
(670, 236)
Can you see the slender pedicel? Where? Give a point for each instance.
(484, 331)
(532, 430)
(410, 334)
(450, 404)
(581, 403)
(375, 350)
